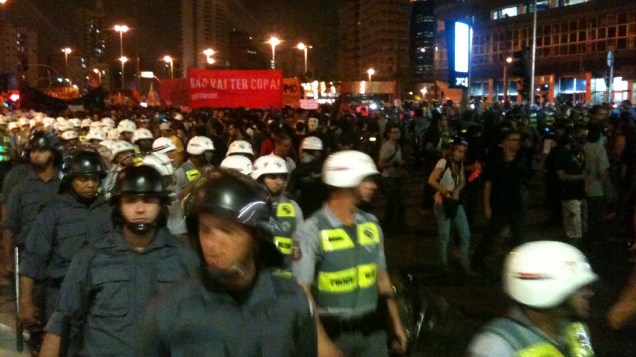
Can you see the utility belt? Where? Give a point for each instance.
(365, 324)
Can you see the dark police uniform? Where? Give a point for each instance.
(273, 319)
(341, 262)
(62, 228)
(306, 185)
(12, 179)
(107, 289)
(26, 200)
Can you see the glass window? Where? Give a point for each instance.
(564, 38)
(573, 49)
(601, 34)
(622, 30)
(582, 36)
(572, 37)
(621, 44)
(611, 32)
(547, 41)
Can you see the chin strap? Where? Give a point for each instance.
(141, 228)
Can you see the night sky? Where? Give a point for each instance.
(157, 30)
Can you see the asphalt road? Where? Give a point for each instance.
(459, 304)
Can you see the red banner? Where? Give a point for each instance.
(235, 88)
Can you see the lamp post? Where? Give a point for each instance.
(274, 41)
(208, 52)
(123, 60)
(301, 46)
(505, 78)
(66, 51)
(2, 2)
(98, 72)
(169, 60)
(121, 29)
(370, 72)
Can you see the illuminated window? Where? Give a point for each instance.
(505, 12)
(572, 2)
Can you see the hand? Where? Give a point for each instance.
(400, 343)
(29, 314)
(488, 212)
(327, 348)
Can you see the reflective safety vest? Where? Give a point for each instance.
(550, 119)
(346, 272)
(532, 120)
(191, 172)
(286, 217)
(530, 343)
(5, 148)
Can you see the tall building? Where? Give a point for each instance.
(205, 24)
(374, 34)
(245, 53)
(18, 55)
(573, 39)
(422, 48)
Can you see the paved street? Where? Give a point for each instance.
(460, 304)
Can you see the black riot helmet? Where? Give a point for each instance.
(229, 194)
(142, 181)
(139, 181)
(81, 163)
(47, 141)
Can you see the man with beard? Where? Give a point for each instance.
(549, 284)
(238, 306)
(108, 285)
(338, 259)
(76, 217)
(37, 187)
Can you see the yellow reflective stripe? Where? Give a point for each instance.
(335, 239)
(285, 210)
(193, 174)
(284, 244)
(578, 340)
(366, 275)
(343, 281)
(368, 233)
(541, 349)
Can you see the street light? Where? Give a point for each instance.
(66, 52)
(301, 46)
(169, 59)
(2, 2)
(99, 74)
(123, 60)
(208, 52)
(370, 72)
(121, 29)
(505, 78)
(274, 41)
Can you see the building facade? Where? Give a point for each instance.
(573, 38)
(374, 34)
(422, 44)
(18, 55)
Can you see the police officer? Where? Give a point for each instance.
(123, 154)
(548, 282)
(73, 219)
(201, 150)
(143, 139)
(339, 261)
(238, 163)
(306, 183)
(238, 306)
(271, 171)
(109, 284)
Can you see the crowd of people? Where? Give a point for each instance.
(263, 218)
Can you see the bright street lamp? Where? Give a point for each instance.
(274, 41)
(2, 2)
(169, 59)
(98, 72)
(123, 60)
(66, 52)
(208, 52)
(370, 72)
(121, 29)
(301, 46)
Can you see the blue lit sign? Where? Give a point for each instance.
(459, 40)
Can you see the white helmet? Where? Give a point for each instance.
(543, 274)
(141, 134)
(269, 164)
(121, 146)
(96, 125)
(48, 122)
(108, 122)
(69, 135)
(239, 163)
(126, 126)
(311, 143)
(85, 123)
(238, 147)
(60, 119)
(347, 168)
(12, 125)
(63, 126)
(107, 144)
(113, 134)
(32, 122)
(161, 162)
(163, 145)
(177, 116)
(23, 121)
(199, 144)
(96, 134)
